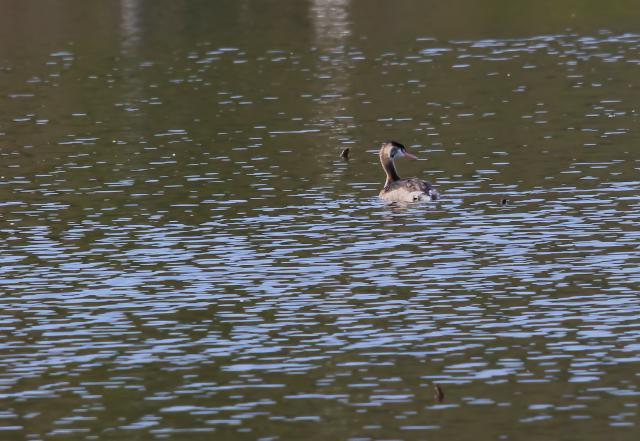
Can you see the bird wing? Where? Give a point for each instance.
(411, 185)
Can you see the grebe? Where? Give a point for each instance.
(402, 190)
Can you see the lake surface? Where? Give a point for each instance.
(185, 255)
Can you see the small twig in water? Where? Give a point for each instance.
(438, 393)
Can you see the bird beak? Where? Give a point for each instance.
(410, 155)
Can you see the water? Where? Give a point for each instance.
(186, 256)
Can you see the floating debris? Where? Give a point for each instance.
(345, 154)
(438, 393)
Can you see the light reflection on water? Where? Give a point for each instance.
(186, 252)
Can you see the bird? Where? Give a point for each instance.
(402, 190)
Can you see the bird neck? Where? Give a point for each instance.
(389, 168)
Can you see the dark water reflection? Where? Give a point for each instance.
(184, 252)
